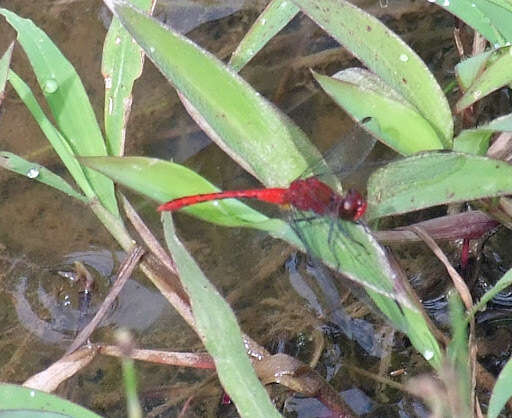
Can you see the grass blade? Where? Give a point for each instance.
(384, 53)
(67, 99)
(220, 334)
(121, 65)
(37, 172)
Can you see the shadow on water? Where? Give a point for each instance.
(299, 311)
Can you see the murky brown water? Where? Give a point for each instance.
(43, 232)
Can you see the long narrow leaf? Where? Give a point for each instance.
(383, 52)
(67, 99)
(5, 62)
(37, 172)
(256, 134)
(59, 144)
(395, 122)
(495, 76)
(434, 178)
(121, 66)
(485, 16)
(220, 334)
(275, 17)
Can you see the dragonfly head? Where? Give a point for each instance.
(353, 206)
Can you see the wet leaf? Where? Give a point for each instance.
(495, 76)
(220, 333)
(384, 53)
(53, 135)
(435, 178)
(395, 122)
(469, 69)
(251, 130)
(275, 17)
(67, 100)
(37, 172)
(489, 17)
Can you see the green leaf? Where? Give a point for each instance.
(163, 181)
(501, 284)
(240, 120)
(472, 141)
(489, 17)
(384, 53)
(121, 65)
(395, 122)
(503, 123)
(469, 69)
(37, 172)
(501, 392)
(275, 17)
(53, 135)
(435, 178)
(495, 76)
(458, 354)
(67, 99)
(220, 333)
(20, 398)
(5, 63)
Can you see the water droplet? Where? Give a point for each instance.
(446, 3)
(283, 4)
(250, 52)
(428, 354)
(473, 5)
(50, 86)
(215, 203)
(152, 49)
(33, 173)
(263, 21)
(32, 393)
(108, 82)
(404, 58)
(477, 94)
(118, 40)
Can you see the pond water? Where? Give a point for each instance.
(281, 301)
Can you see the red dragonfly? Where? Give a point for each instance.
(308, 194)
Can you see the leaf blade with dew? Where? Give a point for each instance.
(388, 56)
(37, 172)
(262, 139)
(58, 142)
(495, 76)
(352, 251)
(442, 177)
(479, 15)
(363, 95)
(212, 314)
(67, 100)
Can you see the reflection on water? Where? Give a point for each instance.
(136, 308)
